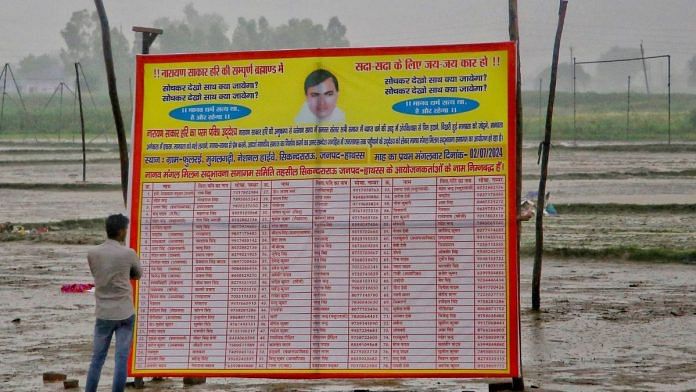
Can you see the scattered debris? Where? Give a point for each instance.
(17, 320)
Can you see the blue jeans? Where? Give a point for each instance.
(103, 330)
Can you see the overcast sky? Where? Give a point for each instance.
(592, 26)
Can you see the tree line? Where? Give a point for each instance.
(194, 32)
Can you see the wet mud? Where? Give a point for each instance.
(605, 325)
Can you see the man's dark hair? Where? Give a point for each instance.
(318, 76)
(114, 224)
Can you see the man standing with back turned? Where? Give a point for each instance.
(113, 266)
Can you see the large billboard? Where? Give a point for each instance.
(326, 213)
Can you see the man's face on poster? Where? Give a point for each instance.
(321, 99)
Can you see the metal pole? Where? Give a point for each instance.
(571, 59)
(669, 99)
(89, 90)
(82, 125)
(4, 88)
(645, 70)
(669, 85)
(75, 104)
(620, 60)
(628, 106)
(19, 92)
(60, 110)
(575, 127)
(572, 82)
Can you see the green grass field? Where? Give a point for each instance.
(598, 117)
(602, 117)
(59, 122)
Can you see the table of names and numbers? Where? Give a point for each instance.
(324, 273)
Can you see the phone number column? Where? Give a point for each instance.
(490, 293)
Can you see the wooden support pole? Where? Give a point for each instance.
(113, 96)
(546, 144)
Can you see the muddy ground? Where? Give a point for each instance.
(606, 325)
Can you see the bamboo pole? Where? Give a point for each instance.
(113, 96)
(546, 144)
